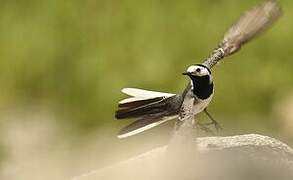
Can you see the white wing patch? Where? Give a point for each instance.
(132, 99)
(145, 93)
(141, 94)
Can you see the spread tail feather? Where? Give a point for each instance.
(135, 92)
(144, 102)
(139, 108)
(141, 125)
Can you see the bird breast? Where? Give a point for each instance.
(201, 104)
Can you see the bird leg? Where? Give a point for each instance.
(213, 121)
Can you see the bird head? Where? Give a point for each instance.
(197, 70)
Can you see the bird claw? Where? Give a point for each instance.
(205, 128)
(217, 125)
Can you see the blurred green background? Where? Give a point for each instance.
(71, 58)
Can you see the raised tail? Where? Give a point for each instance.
(150, 107)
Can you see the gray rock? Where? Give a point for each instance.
(239, 157)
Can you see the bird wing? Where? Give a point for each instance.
(250, 24)
(150, 107)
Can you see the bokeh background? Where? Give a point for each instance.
(63, 64)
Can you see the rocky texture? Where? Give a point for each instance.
(215, 158)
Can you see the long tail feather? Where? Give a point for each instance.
(142, 109)
(138, 102)
(144, 102)
(141, 125)
(135, 92)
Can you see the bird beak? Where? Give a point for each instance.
(186, 73)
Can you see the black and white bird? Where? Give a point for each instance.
(151, 108)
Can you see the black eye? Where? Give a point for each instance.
(197, 70)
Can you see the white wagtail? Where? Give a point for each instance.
(153, 108)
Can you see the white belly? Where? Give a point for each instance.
(200, 105)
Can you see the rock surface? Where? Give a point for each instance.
(238, 157)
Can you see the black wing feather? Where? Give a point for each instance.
(138, 103)
(158, 106)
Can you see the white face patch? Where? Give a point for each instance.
(198, 70)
